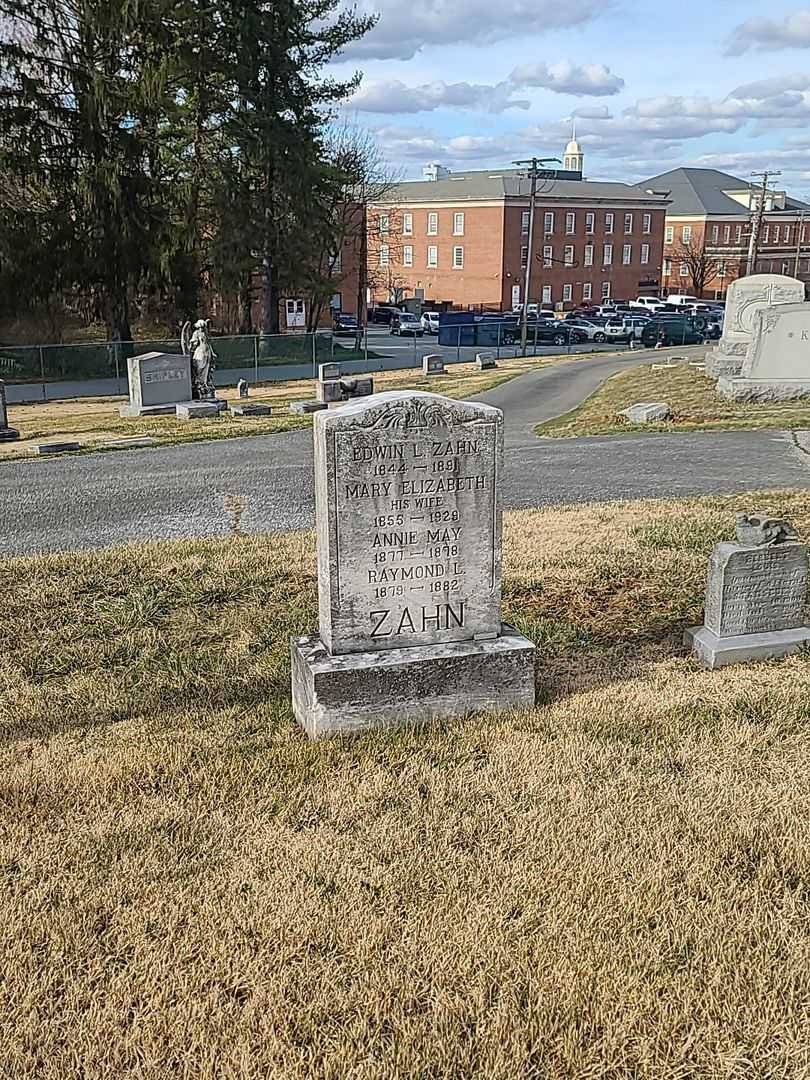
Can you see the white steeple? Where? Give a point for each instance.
(573, 159)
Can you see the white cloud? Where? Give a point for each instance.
(566, 77)
(767, 35)
(592, 112)
(405, 28)
(394, 97)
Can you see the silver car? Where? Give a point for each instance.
(628, 329)
(595, 331)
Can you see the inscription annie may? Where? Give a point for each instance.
(410, 511)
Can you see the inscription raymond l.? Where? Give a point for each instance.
(756, 590)
(409, 522)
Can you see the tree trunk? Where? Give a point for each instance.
(245, 309)
(116, 313)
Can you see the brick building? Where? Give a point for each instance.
(462, 239)
(710, 214)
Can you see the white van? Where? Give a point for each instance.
(682, 298)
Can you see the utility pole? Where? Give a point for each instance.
(756, 223)
(799, 234)
(534, 175)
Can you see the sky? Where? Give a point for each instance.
(480, 83)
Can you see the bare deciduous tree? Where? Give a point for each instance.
(702, 267)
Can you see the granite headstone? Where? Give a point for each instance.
(408, 517)
(746, 297)
(777, 366)
(158, 382)
(7, 434)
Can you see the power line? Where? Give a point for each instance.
(758, 216)
(534, 174)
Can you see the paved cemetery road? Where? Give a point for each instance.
(178, 491)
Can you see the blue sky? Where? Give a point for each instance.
(477, 83)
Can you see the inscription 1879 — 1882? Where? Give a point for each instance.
(409, 506)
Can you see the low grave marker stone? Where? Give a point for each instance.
(7, 434)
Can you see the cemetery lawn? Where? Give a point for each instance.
(615, 884)
(92, 421)
(689, 393)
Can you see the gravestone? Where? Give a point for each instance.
(433, 364)
(7, 434)
(307, 406)
(755, 595)
(484, 361)
(408, 517)
(158, 382)
(329, 391)
(746, 297)
(328, 371)
(253, 409)
(197, 410)
(777, 367)
(243, 388)
(647, 412)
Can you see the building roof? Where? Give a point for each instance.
(502, 184)
(699, 192)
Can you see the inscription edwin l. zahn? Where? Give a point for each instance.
(409, 522)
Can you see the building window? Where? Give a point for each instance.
(589, 254)
(407, 224)
(383, 224)
(766, 234)
(787, 234)
(804, 229)
(546, 294)
(669, 234)
(337, 263)
(721, 268)
(570, 223)
(684, 271)
(548, 223)
(646, 224)
(628, 223)
(458, 258)
(590, 222)
(587, 290)
(715, 234)
(645, 254)
(608, 222)
(686, 233)
(605, 290)
(566, 292)
(776, 232)
(785, 268)
(569, 255)
(607, 254)
(384, 255)
(407, 255)
(524, 256)
(458, 224)
(667, 267)
(524, 221)
(548, 256)
(627, 254)
(432, 256)
(739, 234)
(433, 225)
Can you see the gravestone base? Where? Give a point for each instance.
(714, 652)
(9, 434)
(356, 691)
(754, 390)
(167, 409)
(720, 364)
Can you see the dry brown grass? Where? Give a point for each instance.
(93, 420)
(616, 884)
(691, 396)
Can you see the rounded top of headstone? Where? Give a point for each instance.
(754, 280)
(406, 409)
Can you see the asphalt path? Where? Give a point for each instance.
(171, 492)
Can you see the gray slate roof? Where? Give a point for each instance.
(695, 192)
(510, 183)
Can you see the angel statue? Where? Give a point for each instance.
(197, 345)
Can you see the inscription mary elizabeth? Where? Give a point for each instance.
(412, 515)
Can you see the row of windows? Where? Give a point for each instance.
(384, 223)
(771, 234)
(590, 222)
(432, 261)
(588, 255)
(547, 293)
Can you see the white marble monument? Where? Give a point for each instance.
(744, 299)
(408, 516)
(7, 434)
(777, 367)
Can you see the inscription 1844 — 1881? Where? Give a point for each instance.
(409, 522)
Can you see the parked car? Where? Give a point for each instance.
(593, 331)
(345, 325)
(652, 304)
(625, 329)
(682, 299)
(403, 323)
(555, 332)
(672, 330)
(383, 315)
(430, 322)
